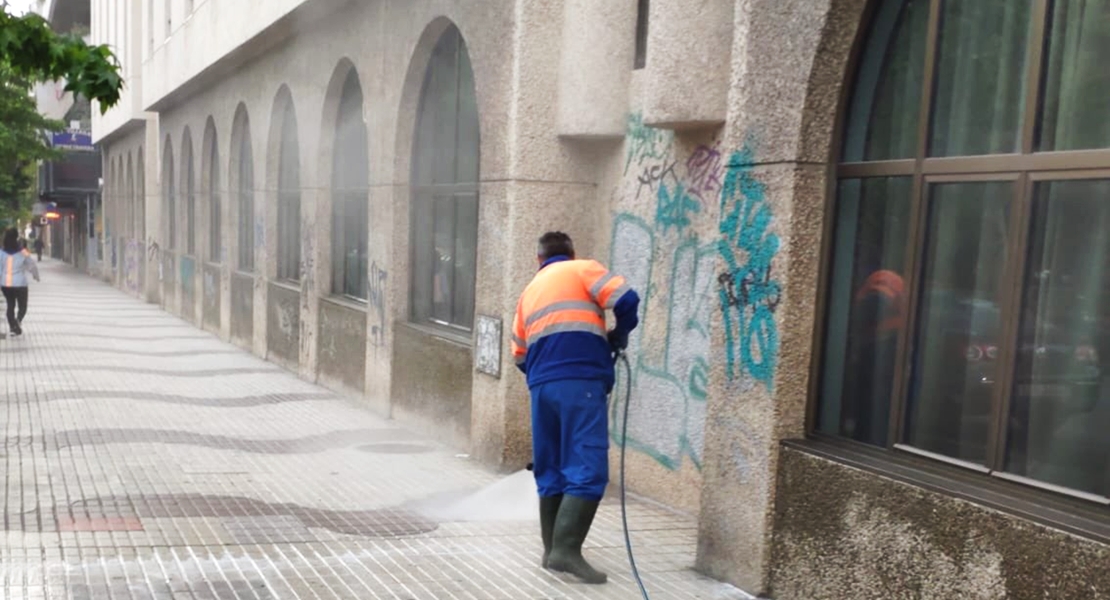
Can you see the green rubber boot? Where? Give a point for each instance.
(571, 528)
(549, 510)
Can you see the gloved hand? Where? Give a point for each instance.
(618, 340)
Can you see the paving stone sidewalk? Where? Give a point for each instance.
(144, 458)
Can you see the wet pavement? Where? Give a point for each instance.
(144, 458)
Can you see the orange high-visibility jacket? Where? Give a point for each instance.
(559, 327)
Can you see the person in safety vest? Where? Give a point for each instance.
(561, 345)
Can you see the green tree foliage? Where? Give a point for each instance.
(22, 141)
(33, 51)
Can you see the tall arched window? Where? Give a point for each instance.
(128, 199)
(188, 177)
(245, 191)
(350, 194)
(140, 197)
(968, 315)
(215, 214)
(169, 195)
(289, 198)
(445, 190)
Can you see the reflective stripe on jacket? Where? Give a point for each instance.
(14, 268)
(559, 327)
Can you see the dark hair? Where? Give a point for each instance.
(11, 241)
(555, 243)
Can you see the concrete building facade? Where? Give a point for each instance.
(354, 190)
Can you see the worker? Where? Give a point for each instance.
(561, 344)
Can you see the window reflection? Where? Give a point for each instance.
(956, 349)
(1059, 425)
(867, 307)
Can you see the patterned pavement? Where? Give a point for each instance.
(146, 459)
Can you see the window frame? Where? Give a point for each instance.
(244, 199)
(188, 173)
(169, 196)
(289, 199)
(215, 203)
(350, 207)
(427, 194)
(1025, 168)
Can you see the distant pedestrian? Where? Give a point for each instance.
(15, 263)
(38, 247)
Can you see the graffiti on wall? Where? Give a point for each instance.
(132, 257)
(689, 210)
(487, 345)
(376, 292)
(663, 256)
(749, 293)
(211, 289)
(670, 391)
(188, 272)
(646, 145)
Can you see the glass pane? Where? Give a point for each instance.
(190, 205)
(423, 257)
(980, 80)
(467, 145)
(168, 201)
(958, 333)
(886, 98)
(215, 229)
(246, 205)
(446, 107)
(443, 215)
(1060, 413)
(866, 307)
(289, 200)
(1077, 81)
(466, 254)
(338, 242)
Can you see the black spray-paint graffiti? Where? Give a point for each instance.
(376, 291)
(652, 176)
(749, 295)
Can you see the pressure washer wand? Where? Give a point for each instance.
(623, 359)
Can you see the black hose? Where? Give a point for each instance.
(624, 507)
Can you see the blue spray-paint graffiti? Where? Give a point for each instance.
(749, 295)
(675, 208)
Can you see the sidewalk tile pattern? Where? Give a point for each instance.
(145, 459)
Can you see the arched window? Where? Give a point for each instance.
(215, 216)
(350, 195)
(968, 314)
(445, 190)
(245, 192)
(128, 199)
(289, 198)
(140, 198)
(169, 195)
(189, 182)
